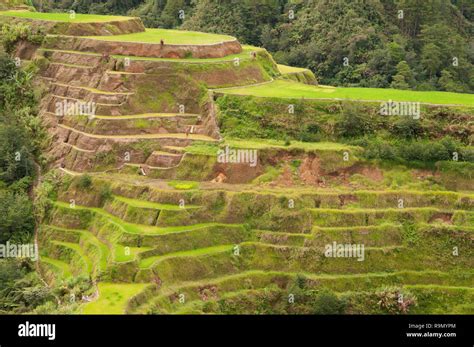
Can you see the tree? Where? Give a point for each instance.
(447, 82)
(404, 78)
(431, 59)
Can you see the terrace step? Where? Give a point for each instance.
(175, 149)
(163, 159)
(76, 248)
(178, 136)
(86, 238)
(148, 115)
(147, 44)
(133, 228)
(112, 72)
(82, 101)
(153, 205)
(89, 90)
(150, 261)
(62, 56)
(358, 217)
(59, 265)
(117, 125)
(78, 149)
(289, 258)
(75, 66)
(148, 213)
(164, 303)
(73, 75)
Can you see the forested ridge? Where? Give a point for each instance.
(404, 44)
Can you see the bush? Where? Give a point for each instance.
(11, 34)
(407, 128)
(355, 121)
(326, 302)
(84, 182)
(423, 151)
(311, 133)
(395, 300)
(426, 152)
(105, 193)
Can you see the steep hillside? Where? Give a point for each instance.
(403, 44)
(188, 173)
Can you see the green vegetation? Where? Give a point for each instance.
(140, 210)
(151, 205)
(181, 185)
(12, 34)
(175, 37)
(381, 49)
(293, 90)
(284, 69)
(113, 298)
(62, 17)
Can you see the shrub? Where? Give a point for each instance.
(407, 128)
(326, 302)
(355, 121)
(395, 300)
(105, 193)
(311, 133)
(84, 182)
(11, 34)
(301, 281)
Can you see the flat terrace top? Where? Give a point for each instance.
(176, 37)
(63, 17)
(291, 89)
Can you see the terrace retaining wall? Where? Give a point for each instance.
(117, 27)
(152, 50)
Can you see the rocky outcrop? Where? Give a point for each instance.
(151, 50)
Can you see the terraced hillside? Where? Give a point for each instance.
(144, 207)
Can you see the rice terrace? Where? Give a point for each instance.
(178, 171)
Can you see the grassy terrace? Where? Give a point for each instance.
(148, 262)
(88, 265)
(261, 279)
(244, 55)
(174, 37)
(285, 69)
(113, 298)
(262, 144)
(294, 90)
(62, 17)
(137, 228)
(88, 239)
(144, 136)
(152, 205)
(59, 265)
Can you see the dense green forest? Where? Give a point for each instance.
(22, 137)
(404, 44)
(20, 287)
